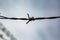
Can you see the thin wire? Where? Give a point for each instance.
(2, 17)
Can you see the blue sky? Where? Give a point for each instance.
(37, 30)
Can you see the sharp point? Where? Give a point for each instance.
(27, 13)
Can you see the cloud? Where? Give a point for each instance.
(44, 29)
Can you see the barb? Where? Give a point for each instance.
(29, 18)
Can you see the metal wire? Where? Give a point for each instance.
(39, 18)
(8, 34)
(29, 18)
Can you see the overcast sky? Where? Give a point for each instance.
(37, 30)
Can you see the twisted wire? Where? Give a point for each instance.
(7, 33)
(12, 18)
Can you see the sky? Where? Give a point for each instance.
(35, 30)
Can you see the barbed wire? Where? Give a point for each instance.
(38, 18)
(29, 18)
(7, 33)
